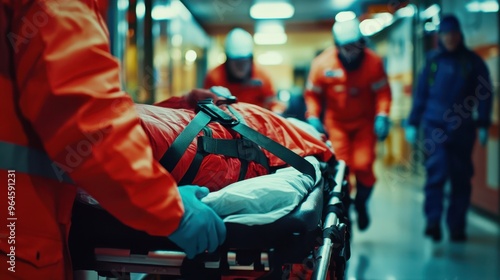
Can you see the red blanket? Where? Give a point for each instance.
(164, 121)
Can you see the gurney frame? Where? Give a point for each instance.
(323, 250)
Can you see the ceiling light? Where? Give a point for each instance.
(429, 27)
(408, 11)
(485, 7)
(341, 4)
(369, 27)
(261, 38)
(384, 18)
(122, 5)
(430, 12)
(162, 12)
(345, 16)
(191, 56)
(175, 9)
(272, 10)
(140, 9)
(270, 58)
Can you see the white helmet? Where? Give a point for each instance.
(346, 32)
(239, 44)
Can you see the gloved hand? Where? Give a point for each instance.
(381, 127)
(317, 124)
(483, 136)
(200, 228)
(411, 134)
(198, 94)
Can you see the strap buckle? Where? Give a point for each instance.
(224, 93)
(208, 107)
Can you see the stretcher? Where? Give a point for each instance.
(313, 237)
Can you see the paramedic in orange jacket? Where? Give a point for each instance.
(348, 82)
(245, 79)
(65, 122)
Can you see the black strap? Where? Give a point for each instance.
(188, 178)
(276, 149)
(243, 169)
(174, 153)
(210, 112)
(285, 154)
(243, 149)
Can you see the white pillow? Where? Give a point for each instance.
(263, 199)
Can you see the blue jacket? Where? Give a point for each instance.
(453, 89)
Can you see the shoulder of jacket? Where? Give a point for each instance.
(326, 59)
(474, 57)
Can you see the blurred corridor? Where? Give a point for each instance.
(144, 110)
(394, 247)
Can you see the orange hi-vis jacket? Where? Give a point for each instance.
(350, 101)
(259, 90)
(66, 123)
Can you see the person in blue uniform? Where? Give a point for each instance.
(451, 105)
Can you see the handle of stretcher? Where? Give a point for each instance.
(331, 219)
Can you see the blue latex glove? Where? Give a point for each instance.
(411, 134)
(483, 136)
(200, 228)
(317, 124)
(381, 127)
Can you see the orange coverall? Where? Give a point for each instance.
(62, 104)
(350, 101)
(259, 90)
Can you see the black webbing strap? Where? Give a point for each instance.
(277, 149)
(208, 111)
(243, 169)
(243, 149)
(338, 209)
(174, 153)
(190, 174)
(263, 141)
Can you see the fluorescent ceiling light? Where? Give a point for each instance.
(175, 9)
(140, 9)
(408, 11)
(270, 58)
(272, 10)
(341, 4)
(269, 38)
(384, 18)
(430, 12)
(191, 56)
(429, 27)
(122, 5)
(162, 12)
(345, 16)
(485, 7)
(369, 27)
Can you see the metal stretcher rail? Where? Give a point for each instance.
(331, 220)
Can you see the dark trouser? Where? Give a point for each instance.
(449, 159)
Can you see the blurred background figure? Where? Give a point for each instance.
(452, 79)
(244, 78)
(349, 84)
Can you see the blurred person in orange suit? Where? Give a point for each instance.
(66, 123)
(241, 75)
(347, 83)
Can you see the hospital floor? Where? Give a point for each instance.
(394, 248)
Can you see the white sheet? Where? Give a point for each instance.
(263, 199)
